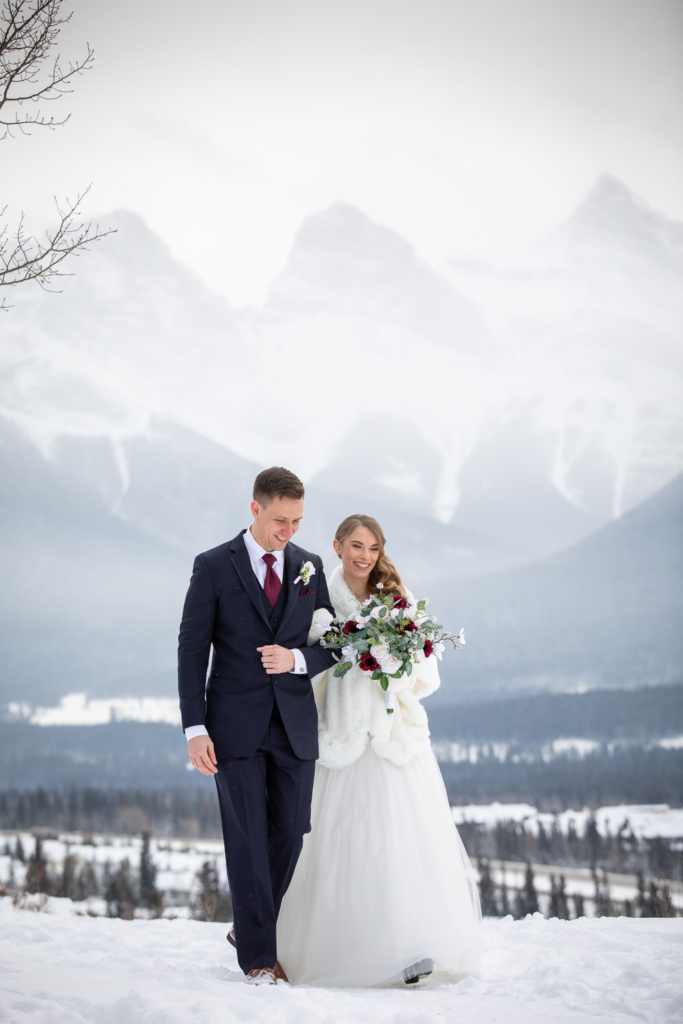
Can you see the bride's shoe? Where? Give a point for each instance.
(420, 969)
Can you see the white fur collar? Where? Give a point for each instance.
(343, 601)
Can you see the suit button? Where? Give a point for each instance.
(275, 618)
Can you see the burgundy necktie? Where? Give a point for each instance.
(272, 584)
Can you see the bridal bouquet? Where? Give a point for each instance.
(386, 638)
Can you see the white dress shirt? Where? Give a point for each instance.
(256, 553)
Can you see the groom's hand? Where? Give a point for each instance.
(276, 659)
(202, 754)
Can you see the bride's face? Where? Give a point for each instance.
(359, 553)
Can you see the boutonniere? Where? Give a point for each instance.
(305, 572)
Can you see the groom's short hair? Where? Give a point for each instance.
(277, 482)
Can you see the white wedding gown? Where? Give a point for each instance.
(383, 880)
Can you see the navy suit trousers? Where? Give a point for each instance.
(265, 803)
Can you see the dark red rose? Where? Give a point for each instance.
(368, 663)
(428, 648)
(400, 602)
(350, 627)
(406, 627)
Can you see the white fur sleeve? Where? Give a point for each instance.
(426, 677)
(321, 620)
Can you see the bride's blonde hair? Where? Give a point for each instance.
(384, 570)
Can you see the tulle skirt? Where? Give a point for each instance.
(383, 880)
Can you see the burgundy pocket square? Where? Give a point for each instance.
(304, 591)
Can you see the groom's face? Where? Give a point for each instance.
(276, 523)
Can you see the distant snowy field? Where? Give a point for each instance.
(59, 968)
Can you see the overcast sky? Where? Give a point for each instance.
(466, 125)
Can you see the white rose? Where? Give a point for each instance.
(391, 664)
(380, 652)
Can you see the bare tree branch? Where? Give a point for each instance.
(28, 31)
(25, 258)
(29, 74)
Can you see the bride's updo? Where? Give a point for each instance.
(384, 570)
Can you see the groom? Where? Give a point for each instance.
(253, 725)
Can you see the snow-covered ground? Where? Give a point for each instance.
(177, 860)
(77, 709)
(578, 881)
(645, 820)
(59, 968)
(455, 753)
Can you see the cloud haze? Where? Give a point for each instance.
(466, 127)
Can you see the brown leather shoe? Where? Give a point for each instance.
(261, 976)
(279, 972)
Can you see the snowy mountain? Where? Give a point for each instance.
(605, 612)
(531, 401)
(593, 314)
(88, 601)
(488, 415)
(95, 572)
(133, 334)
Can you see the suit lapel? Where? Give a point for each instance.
(291, 571)
(242, 563)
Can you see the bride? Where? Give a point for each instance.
(383, 891)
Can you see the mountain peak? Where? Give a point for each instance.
(612, 210)
(134, 239)
(347, 231)
(612, 204)
(345, 264)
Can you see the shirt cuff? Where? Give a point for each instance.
(195, 730)
(300, 668)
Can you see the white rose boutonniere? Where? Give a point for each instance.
(305, 572)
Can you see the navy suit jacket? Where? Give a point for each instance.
(225, 608)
